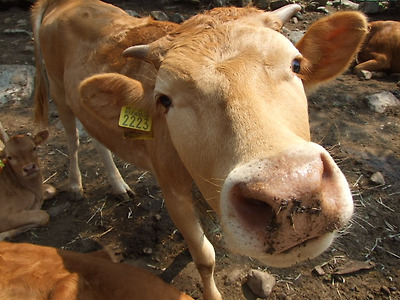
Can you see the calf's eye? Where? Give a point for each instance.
(296, 66)
(165, 101)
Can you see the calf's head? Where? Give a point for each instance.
(21, 155)
(232, 92)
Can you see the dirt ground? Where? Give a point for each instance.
(140, 231)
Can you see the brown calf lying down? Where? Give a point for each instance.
(381, 50)
(35, 272)
(21, 185)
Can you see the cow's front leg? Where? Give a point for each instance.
(182, 211)
(18, 222)
(120, 187)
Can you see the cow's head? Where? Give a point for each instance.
(21, 155)
(231, 90)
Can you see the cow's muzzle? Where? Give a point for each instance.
(285, 205)
(30, 170)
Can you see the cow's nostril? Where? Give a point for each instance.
(254, 213)
(29, 169)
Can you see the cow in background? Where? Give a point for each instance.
(381, 50)
(22, 191)
(219, 100)
(108, 26)
(35, 272)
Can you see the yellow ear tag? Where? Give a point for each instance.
(139, 121)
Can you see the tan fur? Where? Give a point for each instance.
(381, 50)
(236, 104)
(103, 32)
(328, 38)
(21, 186)
(36, 272)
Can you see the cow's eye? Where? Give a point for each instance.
(296, 66)
(165, 101)
(9, 157)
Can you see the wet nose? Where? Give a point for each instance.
(298, 194)
(30, 169)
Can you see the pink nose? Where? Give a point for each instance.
(300, 194)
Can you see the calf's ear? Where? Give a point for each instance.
(331, 44)
(3, 134)
(40, 137)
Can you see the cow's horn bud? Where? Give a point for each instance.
(140, 52)
(286, 12)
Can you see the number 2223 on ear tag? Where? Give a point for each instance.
(134, 119)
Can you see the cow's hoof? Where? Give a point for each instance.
(127, 196)
(49, 191)
(75, 195)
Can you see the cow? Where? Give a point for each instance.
(22, 191)
(36, 272)
(381, 50)
(219, 100)
(63, 90)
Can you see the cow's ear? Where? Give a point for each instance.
(104, 95)
(3, 134)
(40, 137)
(331, 44)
